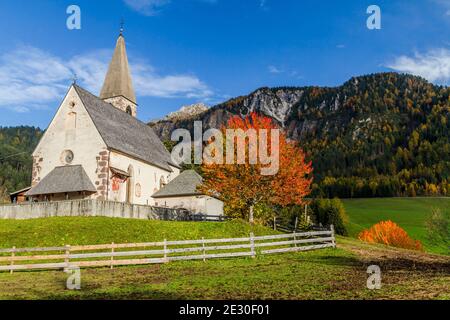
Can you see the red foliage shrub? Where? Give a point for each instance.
(389, 233)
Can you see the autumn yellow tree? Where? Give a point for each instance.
(243, 184)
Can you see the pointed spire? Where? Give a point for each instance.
(118, 79)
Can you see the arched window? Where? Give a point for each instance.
(129, 111)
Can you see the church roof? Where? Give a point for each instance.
(124, 133)
(118, 79)
(183, 185)
(62, 180)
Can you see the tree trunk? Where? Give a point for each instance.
(251, 220)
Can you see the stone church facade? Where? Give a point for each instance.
(96, 148)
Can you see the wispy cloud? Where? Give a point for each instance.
(444, 4)
(286, 72)
(433, 65)
(153, 7)
(263, 4)
(147, 7)
(31, 78)
(274, 69)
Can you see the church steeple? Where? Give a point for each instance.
(118, 87)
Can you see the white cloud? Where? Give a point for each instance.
(147, 7)
(433, 65)
(274, 69)
(153, 7)
(31, 78)
(444, 5)
(263, 4)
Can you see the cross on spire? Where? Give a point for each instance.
(122, 23)
(74, 78)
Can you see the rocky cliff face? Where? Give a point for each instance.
(277, 104)
(325, 113)
(187, 112)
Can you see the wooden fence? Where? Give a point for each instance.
(110, 255)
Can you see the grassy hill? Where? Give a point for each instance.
(409, 213)
(99, 230)
(322, 274)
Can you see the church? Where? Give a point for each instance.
(96, 148)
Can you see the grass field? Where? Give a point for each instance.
(322, 274)
(99, 230)
(409, 213)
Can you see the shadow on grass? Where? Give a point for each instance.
(139, 295)
(394, 264)
(337, 261)
(397, 264)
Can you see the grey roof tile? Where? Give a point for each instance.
(62, 180)
(124, 133)
(183, 185)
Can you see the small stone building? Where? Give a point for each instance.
(182, 192)
(19, 196)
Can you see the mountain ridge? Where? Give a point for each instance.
(382, 134)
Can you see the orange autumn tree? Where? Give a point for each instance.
(243, 185)
(389, 233)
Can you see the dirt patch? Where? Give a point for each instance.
(398, 259)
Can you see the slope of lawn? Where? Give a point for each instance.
(99, 230)
(409, 213)
(321, 274)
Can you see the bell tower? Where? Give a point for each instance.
(118, 86)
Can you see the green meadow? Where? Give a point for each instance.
(408, 213)
(60, 231)
(339, 273)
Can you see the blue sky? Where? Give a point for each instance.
(189, 51)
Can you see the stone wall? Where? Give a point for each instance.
(84, 208)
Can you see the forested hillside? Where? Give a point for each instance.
(16, 146)
(375, 136)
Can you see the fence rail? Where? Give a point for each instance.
(161, 252)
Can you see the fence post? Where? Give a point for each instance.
(112, 255)
(295, 239)
(252, 244)
(13, 254)
(333, 236)
(67, 258)
(274, 223)
(204, 251)
(165, 250)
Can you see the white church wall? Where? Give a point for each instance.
(71, 129)
(145, 180)
(197, 204)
